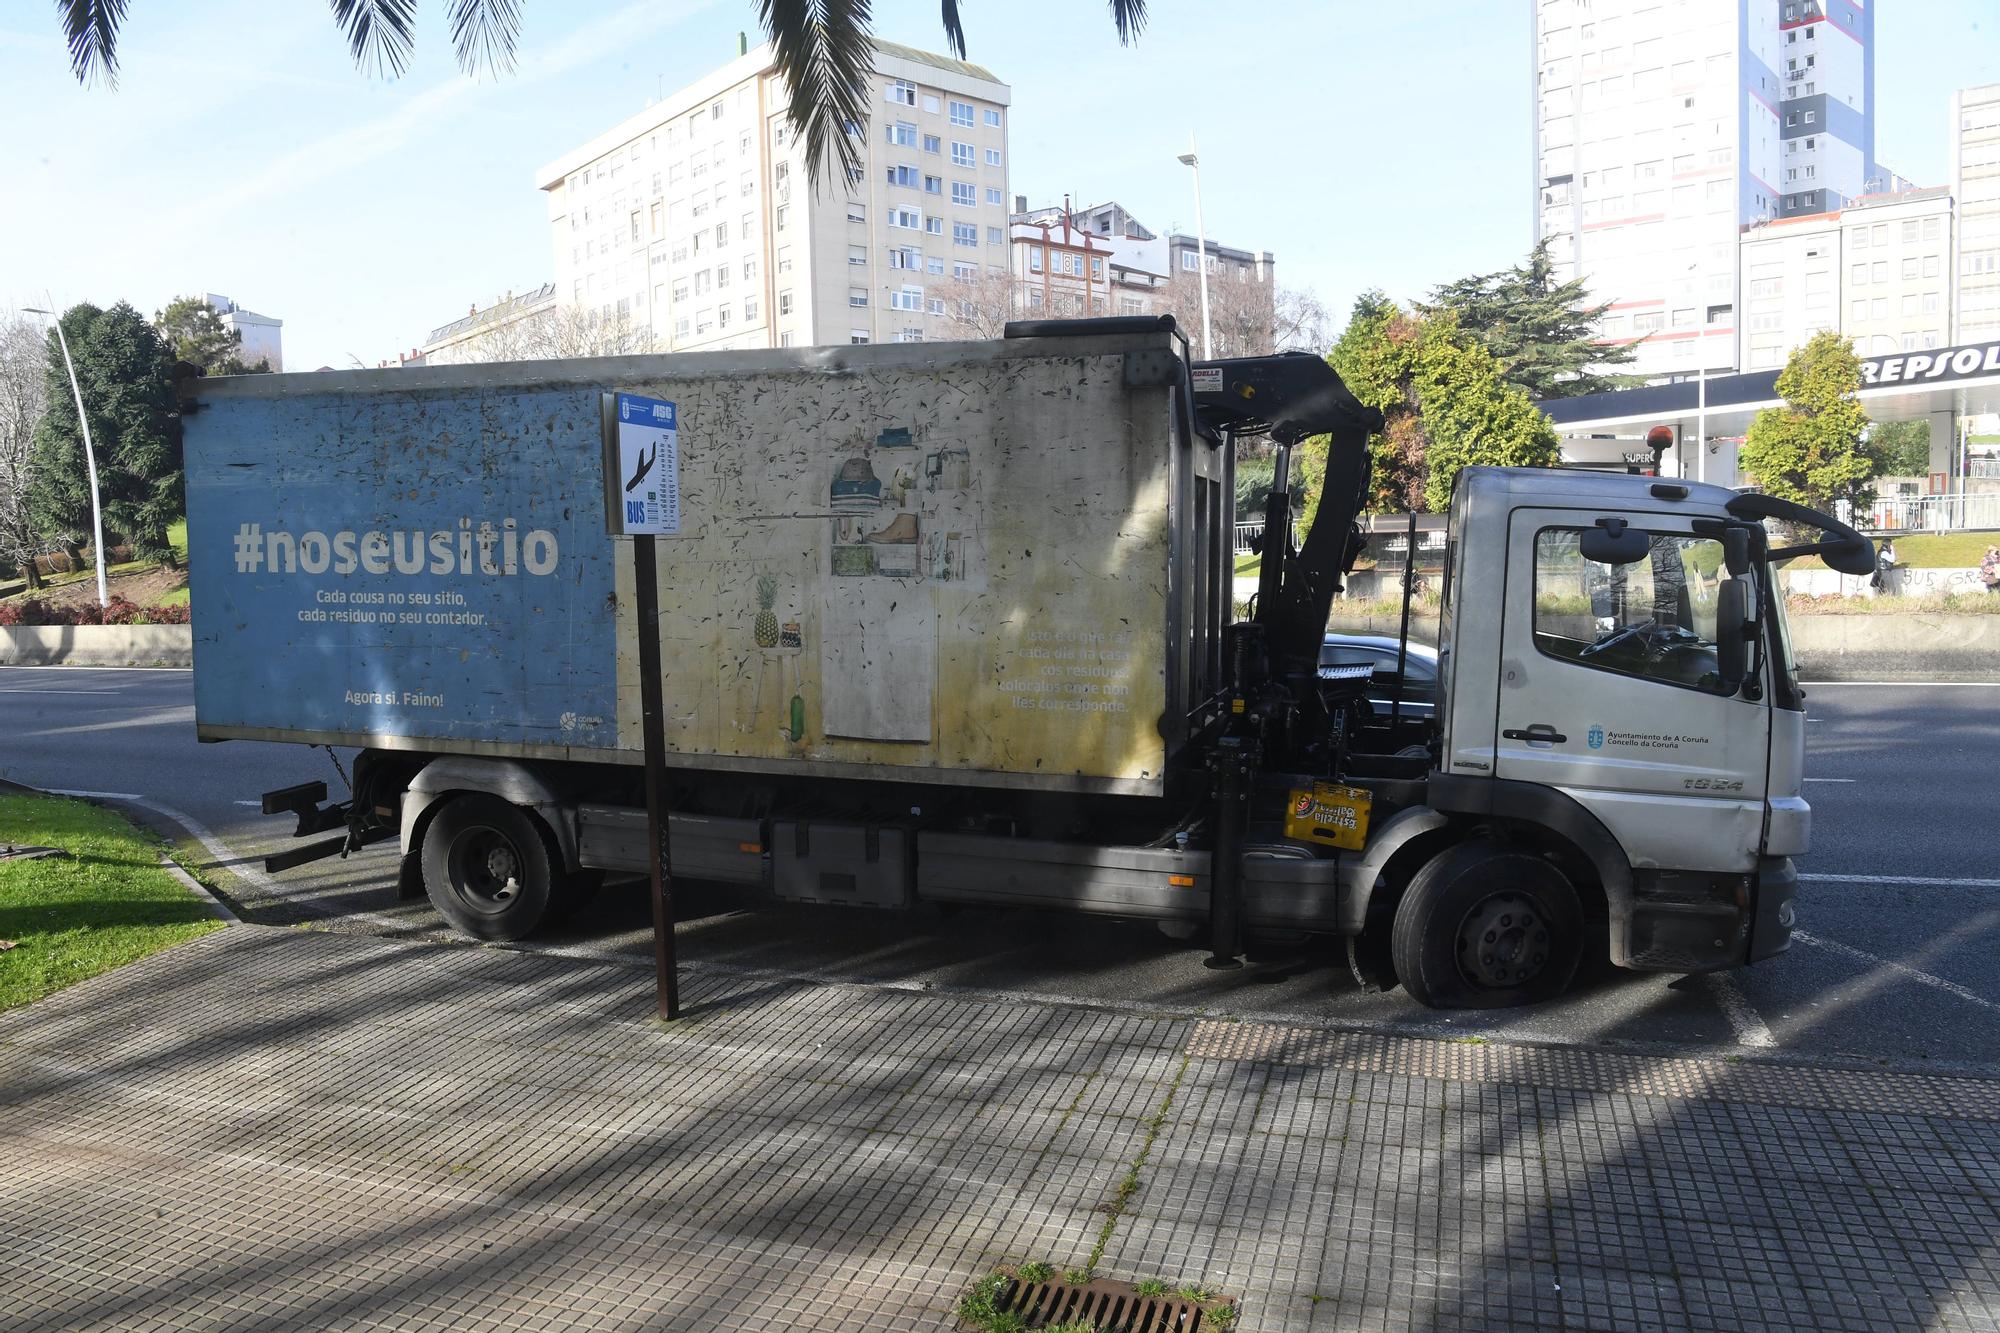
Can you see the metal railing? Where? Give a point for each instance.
(1932, 513)
(1247, 533)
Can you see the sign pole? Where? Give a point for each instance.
(653, 725)
(642, 501)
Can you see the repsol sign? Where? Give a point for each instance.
(1939, 367)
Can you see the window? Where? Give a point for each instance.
(933, 144)
(934, 225)
(1858, 310)
(964, 195)
(681, 327)
(1930, 303)
(906, 256)
(857, 213)
(907, 298)
(933, 185)
(961, 113)
(901, 92)
(1858, 275)
(784, 303)
(994, 236)
(965, 272)
(902, 175)
(722, 275)
(1188, 261)
(749, 270)
(857, 254)
(961, 154)
(701, 282)
(934, 305)
(785, 339)
(1034, 259)
(1654, 618)
(784, 259)
(993, 157)
(902, 134)
(931, 103)
(749, 308)
(722, 314)
(858, 337)
(992, 117)
(993, 194)
(908, 218)
(857, 297)
(784, 216)
(1931, 264)
(1909, 269)
(934, 265)
(721, 234)
(964, 233)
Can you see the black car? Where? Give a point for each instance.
(1379, 654)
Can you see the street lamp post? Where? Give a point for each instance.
(1192, 159)
(89, 453)
(1701, 375)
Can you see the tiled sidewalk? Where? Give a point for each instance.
(273, 1128)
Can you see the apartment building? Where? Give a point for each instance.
(1661, 130)
(1877, 272)
(1060, 271)
(260, 337)
(699, 216)
(1975, 185)
(504, 330)
(1137, 260)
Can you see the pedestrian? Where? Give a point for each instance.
(1989, 569)
(1885, 565)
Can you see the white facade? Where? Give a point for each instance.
(1877, 272)
(262, 337)
(698, 215)
(495, 333)
(1662, 130)
(1975, 183)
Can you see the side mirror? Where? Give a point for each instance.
(1733, 628)
(1613, 542)
(1736, 551)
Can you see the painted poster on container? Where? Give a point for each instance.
(403, 564)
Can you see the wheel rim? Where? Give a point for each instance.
(1504, 941)
(486, 870)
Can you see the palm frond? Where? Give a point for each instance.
(485, 33)
(1130, 16)
(90, 27)
(954, 29)
(826, 55)
(378, 30)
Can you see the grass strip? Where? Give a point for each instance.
(107, 904)
(1130, 1184)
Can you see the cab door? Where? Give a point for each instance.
(1608, 691)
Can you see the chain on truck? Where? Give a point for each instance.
(953, 623)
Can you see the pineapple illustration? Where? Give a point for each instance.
(766, 628)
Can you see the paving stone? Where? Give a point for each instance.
(280, 1129)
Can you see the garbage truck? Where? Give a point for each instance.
(954, 623)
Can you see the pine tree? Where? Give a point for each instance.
(124, 371)
(196, 333)
(1541, 332)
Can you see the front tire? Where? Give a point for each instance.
(1487, 926)
(487, 868)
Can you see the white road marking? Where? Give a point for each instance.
(1748, 1023)
(1833, 779)
(72, 670)
(32, 690)
(1923, 978)
(1916, 881)
(1907, 684)
(241, 867)
(257, 805)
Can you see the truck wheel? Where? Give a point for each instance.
(486, 868)
(1485, 926)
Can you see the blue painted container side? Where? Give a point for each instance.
(418, 565)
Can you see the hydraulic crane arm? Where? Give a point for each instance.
(1291, 397)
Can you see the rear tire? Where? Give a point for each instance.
(1487, 926)
(487, 868)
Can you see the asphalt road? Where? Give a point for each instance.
(1896, 962)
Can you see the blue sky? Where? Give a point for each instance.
(1366, 144)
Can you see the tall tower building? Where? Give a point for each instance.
(1662, 130)
(1975, 184)
(698, 216)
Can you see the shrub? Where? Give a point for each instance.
(40, 611)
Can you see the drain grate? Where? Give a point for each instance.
(1110, 1307)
